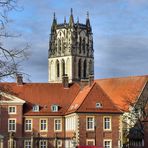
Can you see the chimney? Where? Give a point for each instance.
(65, 81)
(19, 79)
(91, 79)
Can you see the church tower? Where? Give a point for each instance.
(70, 51)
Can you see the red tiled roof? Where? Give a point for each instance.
(44, 95)
(123, 91)
(111, 93)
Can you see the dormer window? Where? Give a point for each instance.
(98, 105)
(54, 108)
(35, 108)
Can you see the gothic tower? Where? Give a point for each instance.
(70, 51)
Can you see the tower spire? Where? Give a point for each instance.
(71, 10)
(87, 15)
(87, 20)
(54, 23)
(65, 20)
(71, 19)
(54, 15)
(77, 19)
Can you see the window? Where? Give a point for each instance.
(27, 144)
(79, 68)
(28, 125)
(107, 144)
(43, 144)
(11, 125)
(90, 123)
(58, 68)
(70, 124)
(59, 143)
(98, 105)
(12, 109)
(63, 67)
(84, 69)
(83, 44)
(35, 108)
(90, 142)
(57, 125)
(54, 108)
(107, 123)
(68, 144)
(43, 124)
(14, 143)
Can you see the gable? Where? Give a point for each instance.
(97, 95)
(89, 97)
(10, 99)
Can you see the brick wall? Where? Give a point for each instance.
(99, 134)
(4, 121)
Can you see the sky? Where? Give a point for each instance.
(120, 32)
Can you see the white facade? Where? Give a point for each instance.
(71, 123)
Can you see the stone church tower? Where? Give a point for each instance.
(70, 51)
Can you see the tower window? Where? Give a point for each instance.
(79, 69)
(63, 67)
(83, 46)
(58, 69)
(84, 69)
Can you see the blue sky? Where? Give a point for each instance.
(120, 31)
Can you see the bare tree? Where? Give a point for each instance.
(10, 58)
(133, 117)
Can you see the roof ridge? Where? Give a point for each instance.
(73, 99)
(86, 95)
(122, 77)
(78, 94)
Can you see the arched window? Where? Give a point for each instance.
(83, 45)
(79, 68)
(63, 67)
(58, 68)
(84, 69)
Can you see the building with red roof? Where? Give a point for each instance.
(71, 109)
(89, 115)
